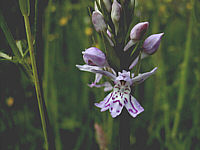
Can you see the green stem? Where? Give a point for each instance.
(35, 76)
(124, 130)
(183, 79)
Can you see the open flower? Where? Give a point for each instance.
(120, 96)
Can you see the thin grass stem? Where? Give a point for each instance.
(36, 80)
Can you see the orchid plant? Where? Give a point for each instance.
(120, 57)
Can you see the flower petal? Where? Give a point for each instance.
(132, 106)
(125, 76)
(141, 77)
(97, 79)
(129, 44)
(88, 68)
(107, 86)
(105, 73)
(135, 61)
(116, 108)
(104, 105)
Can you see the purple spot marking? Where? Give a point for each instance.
(111, 108)
(125, 93)
(130, 110)
(107, 105)
(125, 101)
(117, 111)
(118, 102)
(109, 98)
(133, 106)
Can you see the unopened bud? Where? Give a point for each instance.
(150, 46)
(115, 14)
(98, 22)
(94, 57)
(152, 43)
(137, 33)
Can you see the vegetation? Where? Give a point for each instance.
(60, 30)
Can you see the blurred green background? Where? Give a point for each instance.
(171, 98)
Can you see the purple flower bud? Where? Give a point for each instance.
(98, 22)
(94, 57)
(115, 15)
(138, 31)
(116, 11)
(152, 43)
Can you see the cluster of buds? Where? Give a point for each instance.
(112, 22)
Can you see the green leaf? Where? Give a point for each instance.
(9, 37)
(24, 7)
(5, 56)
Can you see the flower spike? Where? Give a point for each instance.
(112, 31)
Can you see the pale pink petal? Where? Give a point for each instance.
(116, 107)
(97, 79)
(132, 106)
(107, 86)
(141, 77)
(105, 103)
(88, 68)
(143, 55)
(106, 73)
